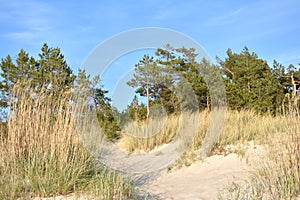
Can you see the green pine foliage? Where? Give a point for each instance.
(249, 82)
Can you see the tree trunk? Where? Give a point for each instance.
(207, 102)
(148, 99)
(294, 95)
(249, 86)
(248, 80)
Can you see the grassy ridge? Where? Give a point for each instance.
(239, 127)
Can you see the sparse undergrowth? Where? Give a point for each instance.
(41, 154)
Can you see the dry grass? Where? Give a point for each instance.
(146, 136)
(239, 127)
(278, 175)
(41, 154)
(243, 126)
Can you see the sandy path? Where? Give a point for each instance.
(202, 180)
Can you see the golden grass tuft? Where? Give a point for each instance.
(41, 153)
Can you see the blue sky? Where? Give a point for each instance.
(270, 28)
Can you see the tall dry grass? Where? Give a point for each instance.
(41, 154)
(247, 125)
(239, 127)
(277, 177)
(150, 135)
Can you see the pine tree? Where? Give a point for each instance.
(53, 70)
(150, 78)
(50, 71)
(289, 82)
(182, 62)
(250, 83)
(22, 70)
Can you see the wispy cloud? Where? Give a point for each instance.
(21, 35)
(289, 57)
(24, 20)
(225, 19)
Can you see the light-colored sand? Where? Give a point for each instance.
(202, 180)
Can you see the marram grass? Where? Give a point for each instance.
(42, 156)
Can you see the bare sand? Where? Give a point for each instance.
(205, 178)
(201, 180)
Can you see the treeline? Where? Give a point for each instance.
(250, 83)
